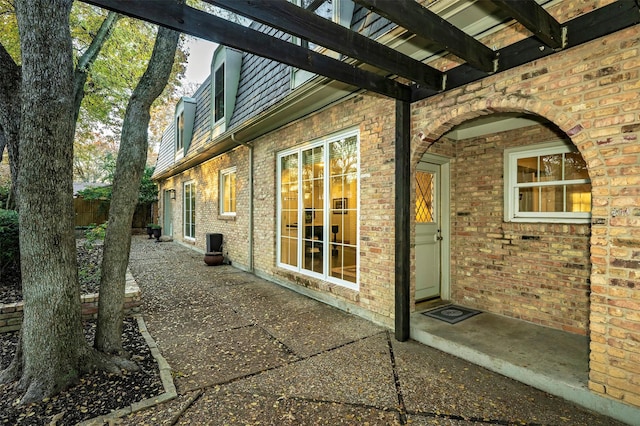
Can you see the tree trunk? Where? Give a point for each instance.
(10, 114)
(53, 344)
(130, 165)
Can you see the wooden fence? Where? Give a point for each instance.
(95, 212)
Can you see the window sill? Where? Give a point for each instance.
(227, 217)
(549, 220)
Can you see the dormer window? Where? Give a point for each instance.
(218, 93)
(225, 77)
(180, 131)
(184, 119)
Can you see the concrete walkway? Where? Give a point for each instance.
(247, 351)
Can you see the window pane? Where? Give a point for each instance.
(289, 210)
(579, 198)
(180, 131)
(527, 169)
(229, 192)
(551, 168)
(575, 166)
(189, 210)
(526, 197)
(552, 199)
(219, 93)
(425, 197)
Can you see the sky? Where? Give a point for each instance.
(199, 61)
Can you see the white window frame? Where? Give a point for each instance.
(191, 183)
(511, 202)
(224, 174)
(179, 142)
(327, 209)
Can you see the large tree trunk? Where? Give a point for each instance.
(130, 165)
(53, 345)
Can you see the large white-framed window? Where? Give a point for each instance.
(546, 183)
(228, 191)
(318, 200)
(189, 209)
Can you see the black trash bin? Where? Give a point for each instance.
(214, 256)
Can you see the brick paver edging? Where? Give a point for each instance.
(11, 313)
(165, 375)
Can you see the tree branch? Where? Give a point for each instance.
(88, 57)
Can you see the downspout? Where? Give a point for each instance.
(251, 203)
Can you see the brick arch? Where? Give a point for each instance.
(444, 119)
(433, 121)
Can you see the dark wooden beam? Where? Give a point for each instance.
(402, 221)
(582, 29)
(188, 20)
(314, 5)
(426, 24)
(287, 17)
(535, 19)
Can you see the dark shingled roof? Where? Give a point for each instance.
(263, 83)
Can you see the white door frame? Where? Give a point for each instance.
(445, 229)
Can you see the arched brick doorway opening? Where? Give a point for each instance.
(534, 271)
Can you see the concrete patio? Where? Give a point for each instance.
(247, 351)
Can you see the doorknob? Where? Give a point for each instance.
(437, 236)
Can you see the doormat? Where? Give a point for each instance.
(451, 313)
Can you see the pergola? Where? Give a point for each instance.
(372, 66)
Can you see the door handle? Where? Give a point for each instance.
(437, 236)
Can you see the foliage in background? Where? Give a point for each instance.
(148, 189)
(9, 242)
(112, 77)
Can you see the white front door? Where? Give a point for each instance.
(428, 231)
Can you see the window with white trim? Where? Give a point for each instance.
(228, 191)
(189, 208)
(180, 131)
(318, 197)
(546, 183)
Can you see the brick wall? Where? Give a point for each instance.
(235, 230)
(592, 93)
(531, 271)
(11, 313)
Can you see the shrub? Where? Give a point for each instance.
(9, 243)
(95, 233)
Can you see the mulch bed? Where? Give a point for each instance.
(97, 393)
(89, 260)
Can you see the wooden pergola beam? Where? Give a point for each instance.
(287, 17)
(188, 20)
(536, 19)
(421, 21)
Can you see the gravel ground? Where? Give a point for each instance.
(245, 351)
